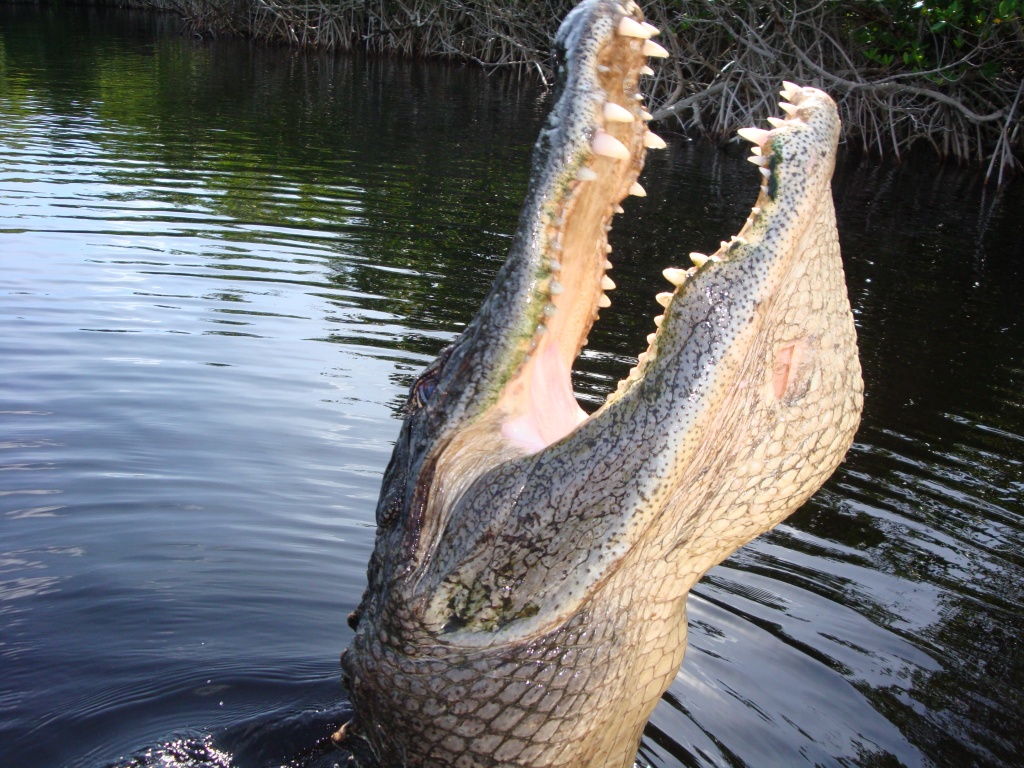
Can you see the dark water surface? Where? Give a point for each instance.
(220, 268)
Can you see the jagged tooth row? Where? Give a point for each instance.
(760, 138)
(604, 144)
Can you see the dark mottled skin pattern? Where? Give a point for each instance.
(530, 610)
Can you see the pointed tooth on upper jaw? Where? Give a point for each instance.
(766, 172)
(756, 135)
(789, 109)
(654, 30)
(607, 264)
(675, 276)
(630, 27)
(603, 301)
(554, 265)
(645, 115)
(764, 189)
(619, 209)
(607, 283)
(651, 48)
(555, 288)
(758, 160)
(550, 310)
(755, 150)
(664, 298)
(636, 190)
(586, 174)
(607, 247)
(645, 70)
(608, 146)
(615, 113)
(659, 320)
(651, 337)
(699, 259)
(755, 210)
(654, 141)
(778, 122)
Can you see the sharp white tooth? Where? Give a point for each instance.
(651, 48)
(789, 109)
(633, 371)
(659, 320)
(645, 70)
(540, 330)
(755, 150)
(641, 358)
(645, 115)
(675, 276)
(654, 141)
(629, 27)
(607, 284)
(555, 288)
(699, 259)
(638, 96)
(554, 266)
(607, 247)
(755, 210)
(778, 122)
(766, 172)
(608, 146)
(750, 220)
(789, 90)
(764, 189)
(636, 190)
(664, 299)
(756, 135)
(550, 310)
(607, 264)
(651, 337)
(722, 246)
(615, 113)
(619, 209)
(586, 174)
(654, 30)
(756, 160)
(604, 302)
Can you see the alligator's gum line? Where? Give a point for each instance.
(527, 590)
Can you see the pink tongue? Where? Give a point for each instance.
(551, 410)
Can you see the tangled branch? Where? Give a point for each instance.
(898, 80)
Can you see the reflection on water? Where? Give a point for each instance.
(220, 267)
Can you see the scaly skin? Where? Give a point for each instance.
(526, 603)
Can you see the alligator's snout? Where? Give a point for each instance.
(527, 591)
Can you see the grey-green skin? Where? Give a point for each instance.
(526, 600)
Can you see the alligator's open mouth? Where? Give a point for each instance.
(587, 161)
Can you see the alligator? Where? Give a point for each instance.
(526, 598)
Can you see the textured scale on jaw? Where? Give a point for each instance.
(809, 119)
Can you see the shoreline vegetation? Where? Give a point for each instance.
(945, 73)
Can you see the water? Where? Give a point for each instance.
(220, 268)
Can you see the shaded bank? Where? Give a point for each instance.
(947, 73)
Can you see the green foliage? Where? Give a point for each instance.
(935, 36)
